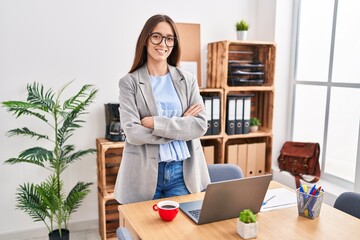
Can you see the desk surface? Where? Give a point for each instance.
(144, 223)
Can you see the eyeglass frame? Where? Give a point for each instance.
(162, 38)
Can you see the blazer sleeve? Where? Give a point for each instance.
(184, 128)
(131, 112)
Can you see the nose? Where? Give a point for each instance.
(163, 41)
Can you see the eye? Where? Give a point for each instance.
(156, 36)
(170, 39)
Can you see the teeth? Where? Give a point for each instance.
(161, 51)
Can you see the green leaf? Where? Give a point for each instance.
(35, 155)
(247, 216)
(30, 201)
(19, 108)
(26, 132)
(76, 195)
(37, 96)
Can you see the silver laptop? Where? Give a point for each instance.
(226, 199)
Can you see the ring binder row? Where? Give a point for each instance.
(238, 113)
(212, 108)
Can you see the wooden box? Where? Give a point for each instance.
(108, 217)
(109, 156)
(223, 52)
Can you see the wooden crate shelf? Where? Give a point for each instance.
(109, 155)
(108, 216)
(220, 53)
(262, 95)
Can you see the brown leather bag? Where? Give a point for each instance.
(300, 158)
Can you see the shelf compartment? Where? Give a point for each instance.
(220, 54)
(108, 217)
(109, 155)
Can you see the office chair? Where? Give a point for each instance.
(349, 202)
(123, 233)
(224, 171)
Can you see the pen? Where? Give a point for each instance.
(312, 189)
(301, 189)
(304, 188)
(266, 201)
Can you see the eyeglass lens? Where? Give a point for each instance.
(156, 38)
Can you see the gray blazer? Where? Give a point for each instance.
(137, 176)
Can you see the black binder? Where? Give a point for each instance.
(230, 119)
(239, 115)
(208, 110)
(246, 114)
(215, 127)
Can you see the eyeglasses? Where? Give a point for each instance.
(156, 38)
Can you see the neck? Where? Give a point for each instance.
(157, 69)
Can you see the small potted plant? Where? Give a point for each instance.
(241, 28)
(254, 124)
(247, 225)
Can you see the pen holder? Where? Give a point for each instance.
(309, 205)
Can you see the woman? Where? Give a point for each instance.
(162, 114)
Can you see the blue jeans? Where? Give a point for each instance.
(170, 180)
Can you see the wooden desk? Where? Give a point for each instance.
(144, 223)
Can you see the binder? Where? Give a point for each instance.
(239, 115)
(232, 154)
(251, 160)
(215, 127)
(209, 152)
(208, 110)
(242, 157)
(230, 120)
(260, 158)
(246, 114)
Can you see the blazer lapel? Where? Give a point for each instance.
(146, 90)
(179, 84)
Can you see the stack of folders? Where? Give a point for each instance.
(238, 113)
(212, 107)
(240, 73)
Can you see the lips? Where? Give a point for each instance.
(161, 51)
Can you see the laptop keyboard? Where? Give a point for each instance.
(195, 213)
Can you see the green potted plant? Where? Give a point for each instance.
(247, 225)
(48, 201)
(242, 27)
(254, 124)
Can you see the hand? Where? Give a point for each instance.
(148, 122)
(193, 110)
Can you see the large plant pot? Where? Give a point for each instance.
(55, 235)
(247, 230)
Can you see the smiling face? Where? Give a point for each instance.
(159, 53)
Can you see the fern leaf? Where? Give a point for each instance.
(30, 201)
(19, 108)
(35, 155)
(37, 96)
(76, 195)
(26, 132)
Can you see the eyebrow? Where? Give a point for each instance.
(169, 35)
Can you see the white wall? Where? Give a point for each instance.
(93, 41)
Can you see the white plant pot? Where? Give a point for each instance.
(241, 35)
(254, 128)
(247, 230)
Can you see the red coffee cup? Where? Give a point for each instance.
(167, 209)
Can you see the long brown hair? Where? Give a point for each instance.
(141, 52)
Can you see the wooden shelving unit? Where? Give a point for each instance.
(109, 156)
(219, 55)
